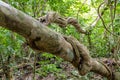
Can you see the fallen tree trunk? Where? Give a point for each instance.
(41, 38)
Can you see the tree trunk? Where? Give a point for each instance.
(41, 38)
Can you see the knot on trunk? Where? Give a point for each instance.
(82, 59)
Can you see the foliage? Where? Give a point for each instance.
(100, 41)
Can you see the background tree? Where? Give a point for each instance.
(97, 32)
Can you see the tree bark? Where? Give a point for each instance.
(41, 38)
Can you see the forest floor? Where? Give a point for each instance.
(51, 68)
(67, 72)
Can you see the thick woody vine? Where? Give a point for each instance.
(82, 59)
(39, 38)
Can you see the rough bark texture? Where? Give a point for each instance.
(41, 38)
(53, 17)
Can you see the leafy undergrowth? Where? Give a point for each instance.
(45, 67)
(50, 67)
(65, 72)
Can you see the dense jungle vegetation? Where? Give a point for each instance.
(100, 20)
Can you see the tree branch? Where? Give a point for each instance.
(41, 38)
